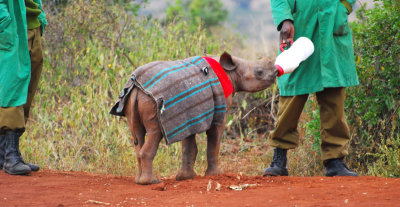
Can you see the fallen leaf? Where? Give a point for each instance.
(241, 186)
(98, 202)
(218, 188)
(209, 186)
(235, 187)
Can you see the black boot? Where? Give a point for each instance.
(2, 153)
(2, 150)
(336, 167)
(278, 165)
(13, 163)
(33, 167)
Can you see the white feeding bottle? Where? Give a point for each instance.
(291, 58)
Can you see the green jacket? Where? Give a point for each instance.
(15, 66)
(325, 22)
(42, 16)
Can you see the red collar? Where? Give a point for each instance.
(222, 76)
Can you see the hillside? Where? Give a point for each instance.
(252, 19)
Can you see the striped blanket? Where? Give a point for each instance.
(188, 94)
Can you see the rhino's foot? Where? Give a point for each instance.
(185, 174)
(214, 171)
(143, 180)
(137, 178)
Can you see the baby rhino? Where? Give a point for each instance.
(177, 99)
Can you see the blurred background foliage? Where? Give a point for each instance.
(92, 46)
(373, 108)
(207, 13)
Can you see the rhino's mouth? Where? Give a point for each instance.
(276, 72)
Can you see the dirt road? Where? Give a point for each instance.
(57, 188)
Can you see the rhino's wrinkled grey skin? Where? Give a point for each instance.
(141, 113)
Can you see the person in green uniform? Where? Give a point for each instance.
(326, 73)
(21, 60)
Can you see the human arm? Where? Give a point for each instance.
(281, 11)
(283, 19)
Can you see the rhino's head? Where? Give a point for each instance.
(249, 76)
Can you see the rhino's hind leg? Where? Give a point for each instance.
(147, 109)
(147, 154)
(214, 136)
(189, 153)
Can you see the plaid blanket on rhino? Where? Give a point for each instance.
(187, 92)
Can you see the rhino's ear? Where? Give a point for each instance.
(226, 62)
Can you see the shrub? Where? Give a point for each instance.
(374, 106)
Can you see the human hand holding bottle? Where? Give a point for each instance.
(287, 32)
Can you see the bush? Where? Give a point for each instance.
(374, 106)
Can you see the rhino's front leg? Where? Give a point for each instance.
(214, 137)
(189, 153)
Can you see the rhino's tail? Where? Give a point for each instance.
(133, 117)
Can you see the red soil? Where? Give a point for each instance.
(57, 188)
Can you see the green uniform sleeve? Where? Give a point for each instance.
(281, 11)
(42, 16)
(4, 15)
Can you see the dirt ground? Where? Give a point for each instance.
(58, 188)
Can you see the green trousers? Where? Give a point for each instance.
(335, 133)
(14, 118)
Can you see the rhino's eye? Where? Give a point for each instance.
(259, 73)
